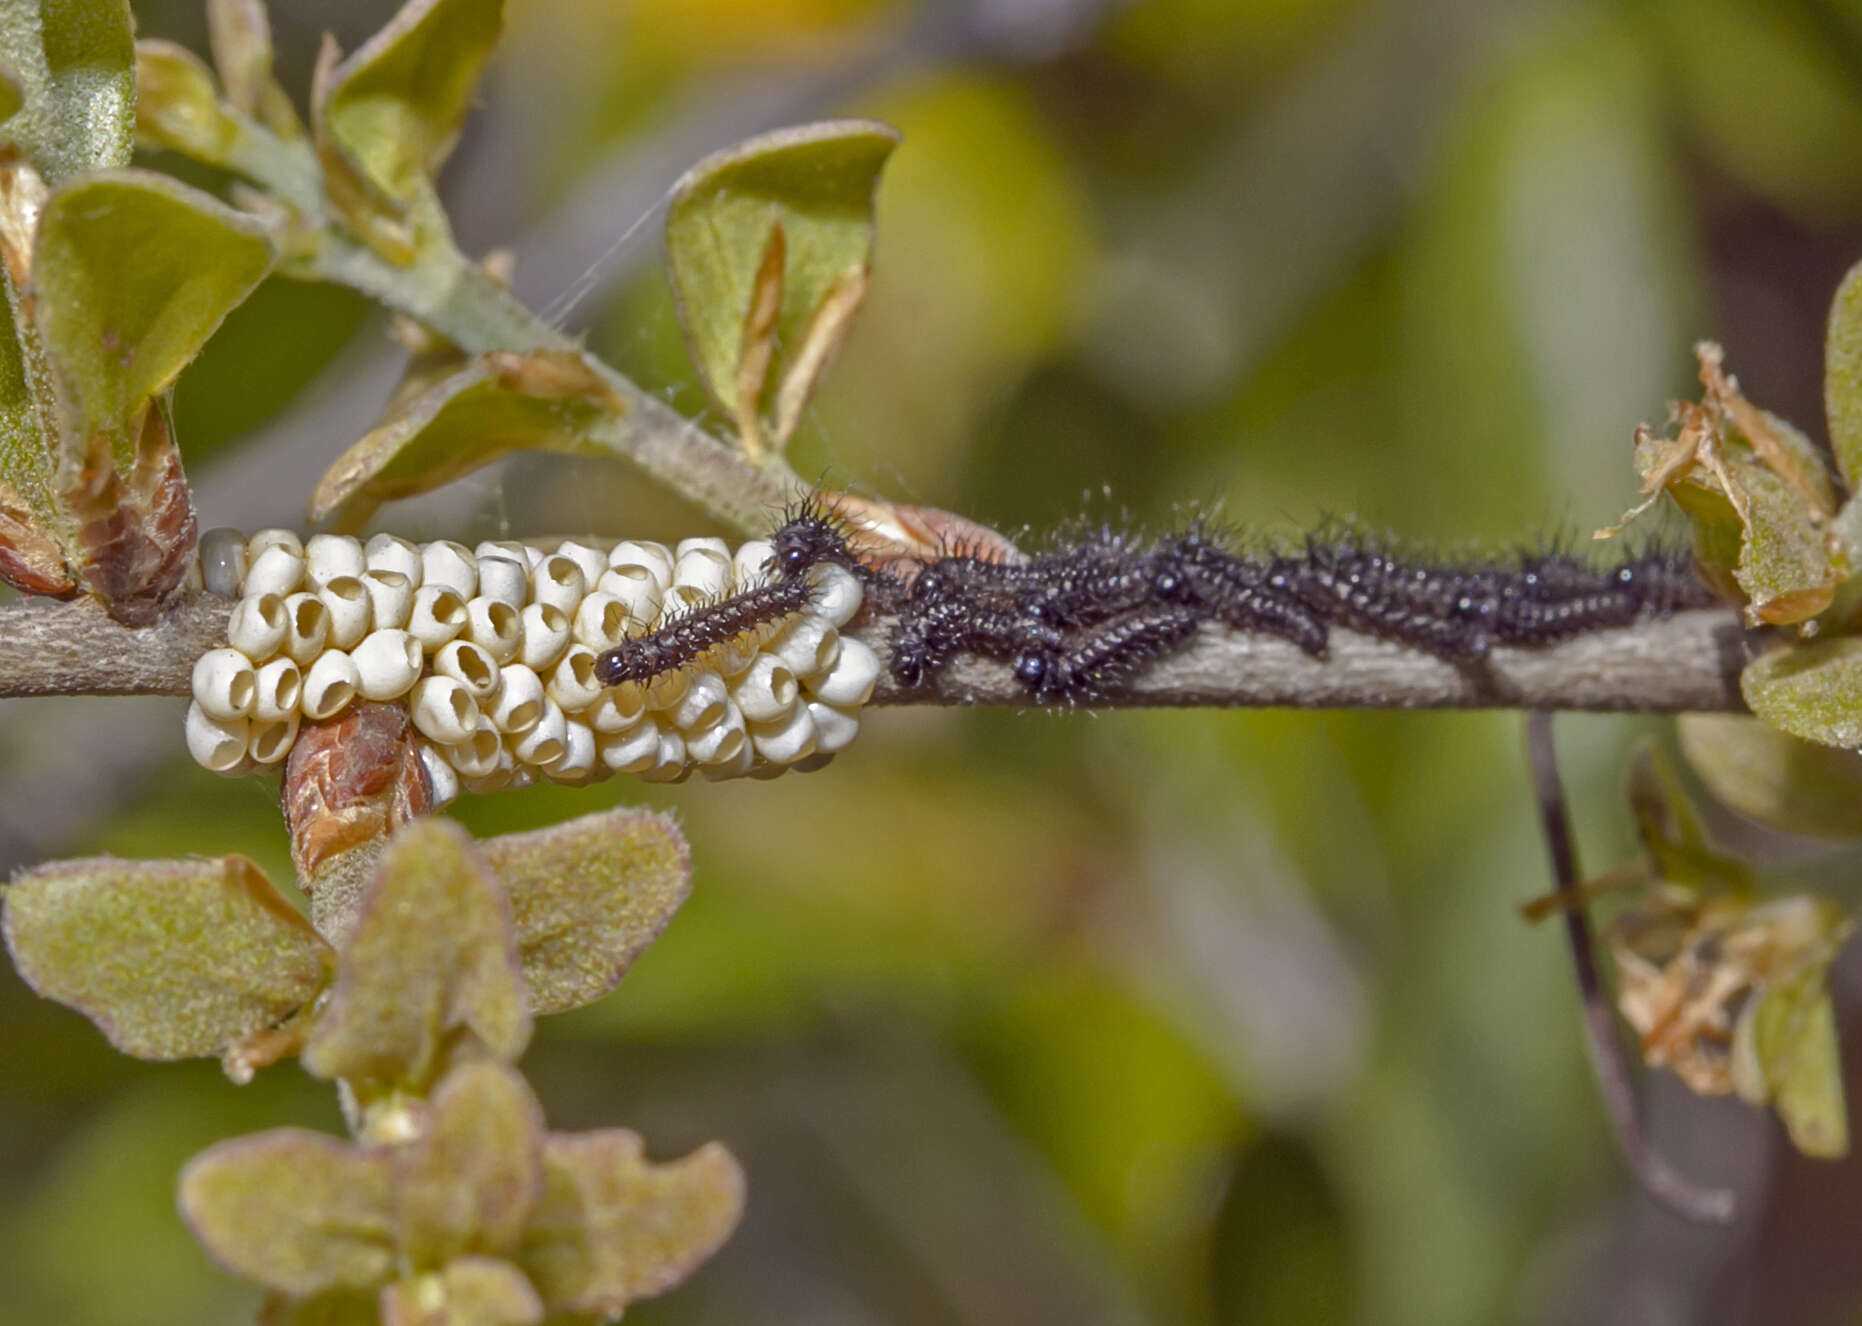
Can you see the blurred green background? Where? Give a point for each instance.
(1184, 1018)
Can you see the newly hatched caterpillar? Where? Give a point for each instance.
(1096, 609)
(809, 541)
(690, 636)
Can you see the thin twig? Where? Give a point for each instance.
(1614, 1079)
(1690, 662)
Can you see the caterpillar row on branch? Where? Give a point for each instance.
(1080, 622)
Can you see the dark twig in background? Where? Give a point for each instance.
(1614, 1079)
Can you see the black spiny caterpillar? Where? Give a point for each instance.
(1102, 605)
(692, 634)
(809, 537)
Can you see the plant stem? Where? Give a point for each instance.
(1690, 662)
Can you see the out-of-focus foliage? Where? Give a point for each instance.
(1727, 989)
(1024, 1018)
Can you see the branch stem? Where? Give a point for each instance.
(1689, 662)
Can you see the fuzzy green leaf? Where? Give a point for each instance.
(178, 104)
(433, 955)
(494, 407)
(392, 110)
(1813, 691)
(1842, 377)
(469, 1181)
(472, 1291)
(588, 897)
(1785, 1050)
(294, 1211)
(133, 273)
(612, 1227)
(1784, 567)
(1798, 786)
(74, 63)
(770, 243)
(170, 959)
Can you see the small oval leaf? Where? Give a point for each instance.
(1797, 786)
(468, 1182)
(294, 1211)
(1785, 1050)
(770, 243)
(1784, 567)
(171, 959)
(588, 897)
(1842, 377)
(133, 272)
(391, 112)
(178, 104)
(612, 1227)
(480, 414)
(433, 954)
(241, 37)
(1812, 691)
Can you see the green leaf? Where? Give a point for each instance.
(469, 1181)
(1784, 567)
(1797, 786)
(294, 1211)
(588, 897)
(37, 541)
(178, 104)
(494, 407)
(1842, 377)
(170, 959)
(241, 37)
(770, 244)
(472, 1291)
(432, 955)
(133, 272)
(1671, 832)
(74, 62)
(1813, 691)
(1785, 1049)
(612, 1227)
(391, 112)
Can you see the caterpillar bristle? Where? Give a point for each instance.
(1100, 601)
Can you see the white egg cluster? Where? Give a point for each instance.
(493, 652)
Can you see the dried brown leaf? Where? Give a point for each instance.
(351, 780)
